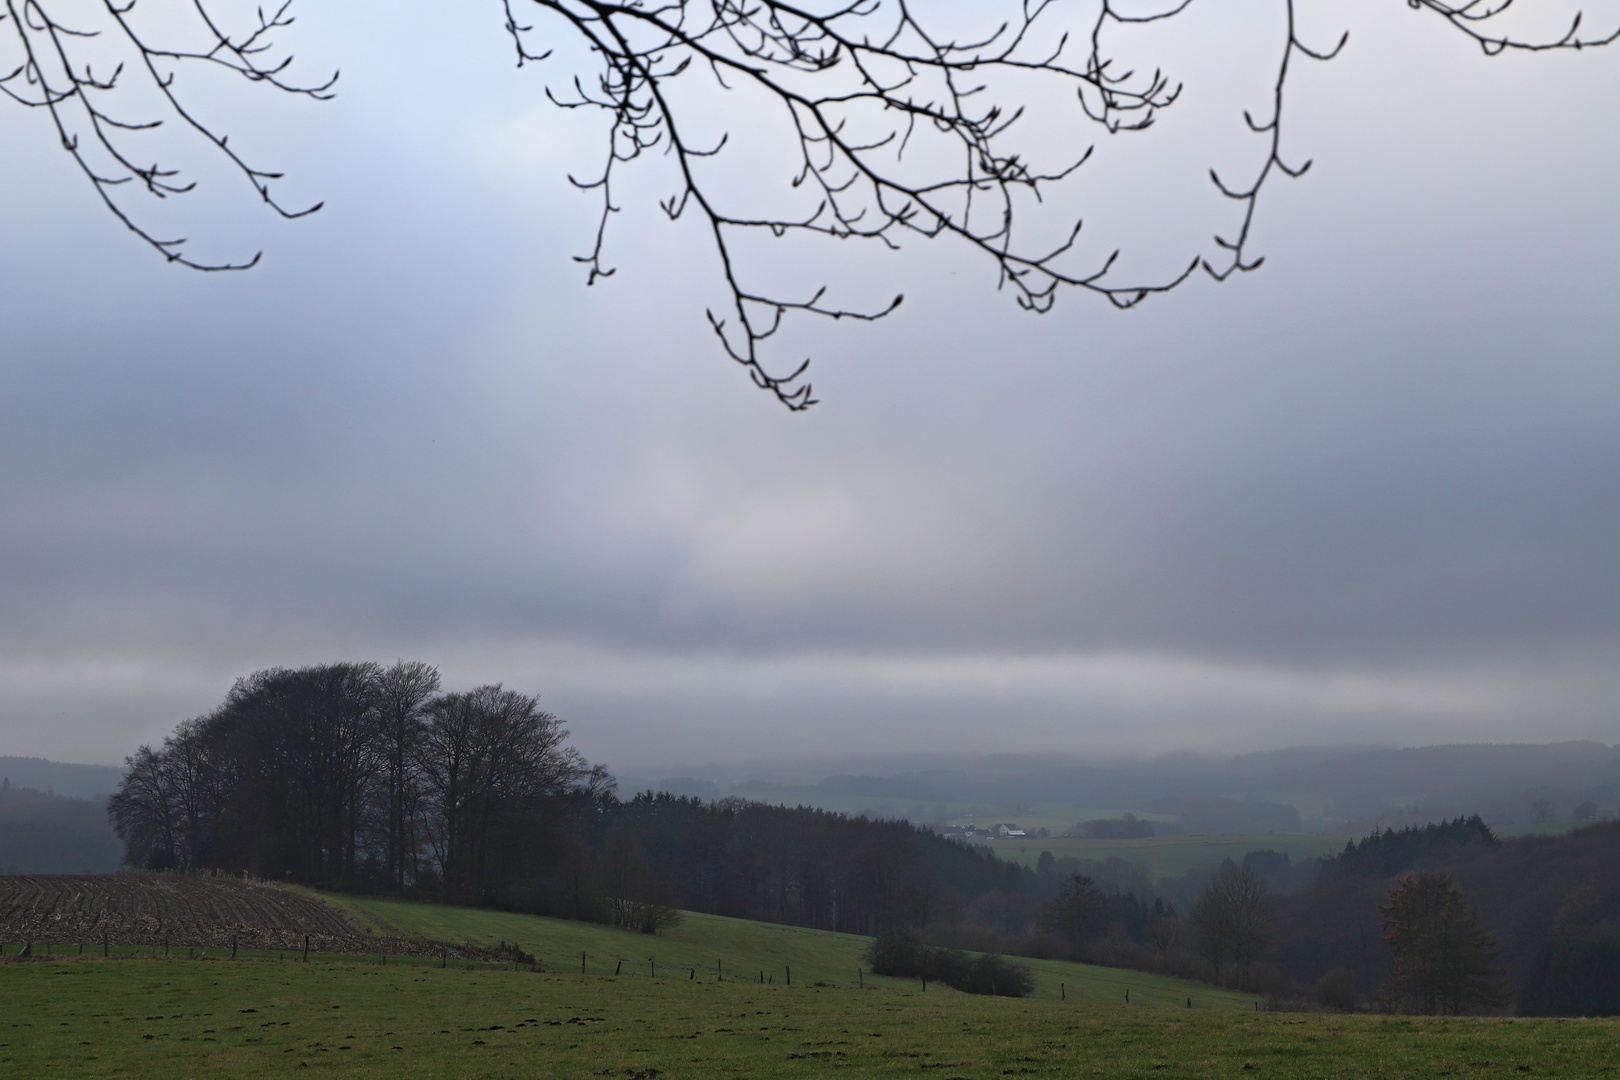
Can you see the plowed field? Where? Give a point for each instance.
(184, 910)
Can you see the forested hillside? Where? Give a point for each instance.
(60, 777)
(42, 833)
(1527, 891)
(805, 866)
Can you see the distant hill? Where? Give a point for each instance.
(1528, 890)
(61, 778)
(1496, 780)
(1322, 789)
(45, 833)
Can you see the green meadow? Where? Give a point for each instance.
(710, 998)
(250, 1019)
(710, 947)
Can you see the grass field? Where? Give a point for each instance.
(252, 1019)
(1171, 856)
(708, 946)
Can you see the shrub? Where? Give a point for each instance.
(1338, 989)
(903, 954)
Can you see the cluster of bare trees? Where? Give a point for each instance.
(360, 775)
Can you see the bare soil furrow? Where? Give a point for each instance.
(189, 911)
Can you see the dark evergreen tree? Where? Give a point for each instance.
(1079, 914)
(1388, 852)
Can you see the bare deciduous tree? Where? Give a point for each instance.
(1165, 934)
(1445, 961)
(403, 692)
(488, 757)
(1235, 919)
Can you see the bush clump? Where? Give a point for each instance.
(901, 953)
(1338, 989)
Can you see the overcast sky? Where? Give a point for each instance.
(1370, 491)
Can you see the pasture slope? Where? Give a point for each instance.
(252, 1020)
(703, 1016)
(705, 946)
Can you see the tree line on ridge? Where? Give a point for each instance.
(371, 778)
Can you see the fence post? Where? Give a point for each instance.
(306, 948)
(104, 949)
(653, 960)
(861, 975)
(233, 945)
(789, 970)
(582, 963)
(618, 967)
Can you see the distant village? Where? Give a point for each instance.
(1006, 830)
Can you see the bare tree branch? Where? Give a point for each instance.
(858, 82)
(896, 129)
(53, 72)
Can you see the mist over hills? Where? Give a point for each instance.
(53, 814)
(61, 778)
(53, 817)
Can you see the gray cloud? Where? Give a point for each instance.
(1372, 487)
